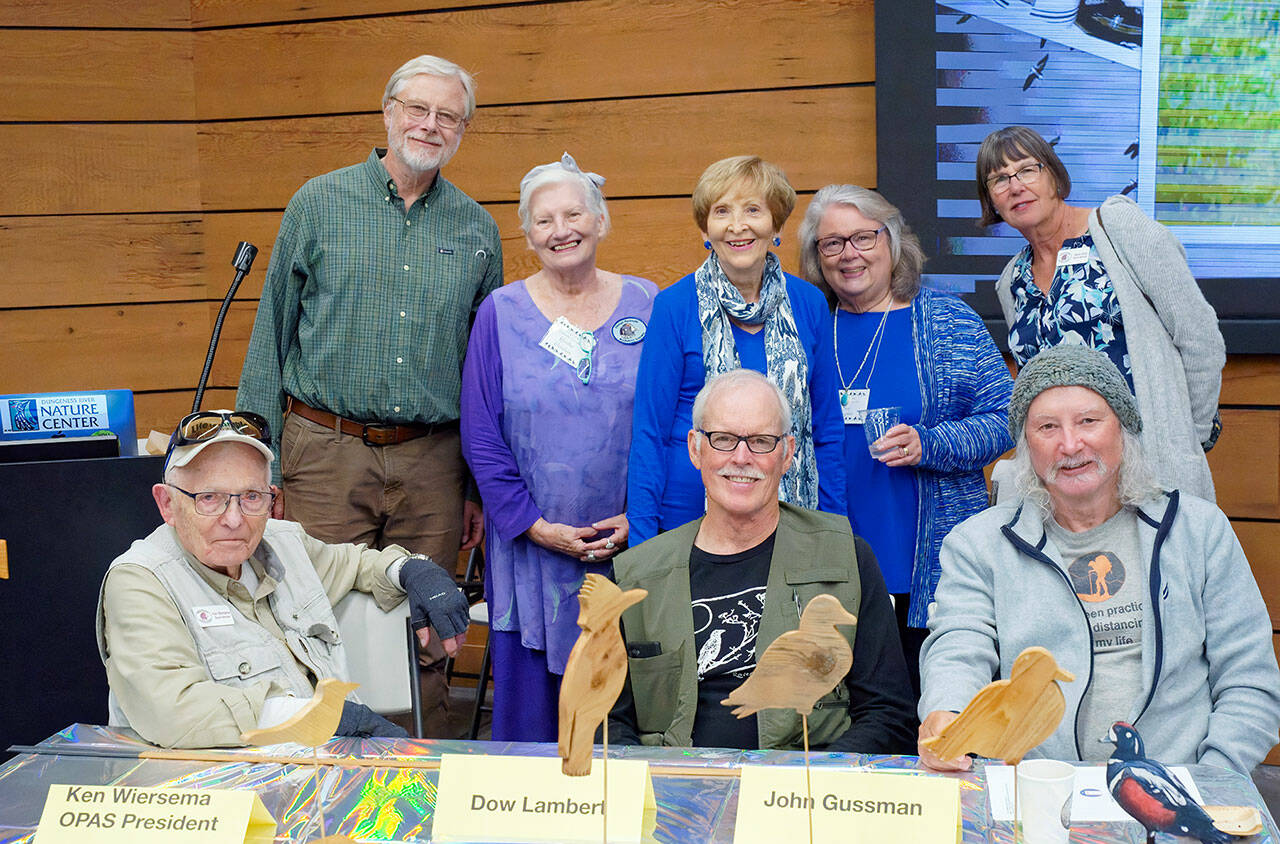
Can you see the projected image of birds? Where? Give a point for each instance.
(801, 665)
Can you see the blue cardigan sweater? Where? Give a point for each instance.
(964, 389)
(663, 489)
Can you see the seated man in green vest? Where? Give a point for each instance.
(723, 587)
(221, 621)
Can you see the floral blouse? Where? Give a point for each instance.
(1081, 308)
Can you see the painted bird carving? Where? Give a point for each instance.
(595, 671)
(1146, 790)
(314, 723)
(801, 665)
(1008, 717)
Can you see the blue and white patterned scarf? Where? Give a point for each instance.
(718, 301)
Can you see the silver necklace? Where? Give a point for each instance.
(876, 339)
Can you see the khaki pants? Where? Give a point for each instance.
(341, 490)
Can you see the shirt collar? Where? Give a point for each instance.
(387, 185)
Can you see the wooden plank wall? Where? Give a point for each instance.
(141, 141)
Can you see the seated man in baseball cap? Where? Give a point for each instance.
(221, 620)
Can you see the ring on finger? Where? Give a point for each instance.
(591, 555)
(610, 544)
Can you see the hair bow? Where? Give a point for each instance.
(568, 165)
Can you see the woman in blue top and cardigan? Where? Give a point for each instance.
(739, 310)
(898, 345)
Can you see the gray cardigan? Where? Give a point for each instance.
(1210, 688)
(1175, 348)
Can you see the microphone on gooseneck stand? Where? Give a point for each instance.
(243, 260)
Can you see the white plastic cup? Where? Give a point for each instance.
(1045, 787)
(878, 422)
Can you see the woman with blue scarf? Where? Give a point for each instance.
(899, 345)
(738, 310)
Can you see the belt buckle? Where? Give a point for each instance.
(388, 432)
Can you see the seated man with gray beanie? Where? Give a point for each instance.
(1140, 592)
(221, 621)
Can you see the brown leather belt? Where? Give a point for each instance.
(373, 433)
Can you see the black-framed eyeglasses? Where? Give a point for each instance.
(1028, 176)
(417, 111)
(757, 443)
(833, 245)
(253, 502)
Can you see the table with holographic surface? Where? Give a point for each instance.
(385, 789)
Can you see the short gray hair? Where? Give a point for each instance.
(904, 246)
(557, 173)
(431, 66)
(737, 378)
(1137, 482)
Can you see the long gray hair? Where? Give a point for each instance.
(1137, 482)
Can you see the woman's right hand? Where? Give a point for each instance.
(566, 539)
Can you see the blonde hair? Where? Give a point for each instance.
(750, 170)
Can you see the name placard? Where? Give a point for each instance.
(124, 814)
(848, 806)
(527, 799)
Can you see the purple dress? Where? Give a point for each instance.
(542, 443)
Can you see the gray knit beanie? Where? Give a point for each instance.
(1072, 366)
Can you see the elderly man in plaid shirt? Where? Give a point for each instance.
(356, 354)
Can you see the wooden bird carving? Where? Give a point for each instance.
(801, 665)
(1008, 717)
(596, 669)
(314, 723)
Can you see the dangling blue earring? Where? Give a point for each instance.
(707, 244)
(777, 241)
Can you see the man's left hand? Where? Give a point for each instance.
(472, 525)
(436, 601)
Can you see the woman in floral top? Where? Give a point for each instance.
(1113, 279)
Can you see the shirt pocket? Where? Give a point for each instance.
(244, 665)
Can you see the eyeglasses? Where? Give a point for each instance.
(725, 441)
(252, 502)
(862, 241)
(417, 111)
(1028, 176)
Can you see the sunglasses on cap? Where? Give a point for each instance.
(204, 425)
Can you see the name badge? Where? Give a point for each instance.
(1074, 255)
(567, 342)
(217, 616)
(853, 405)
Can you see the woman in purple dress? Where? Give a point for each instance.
(546, 427)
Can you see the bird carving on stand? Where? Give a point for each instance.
(595, 671)
(1146, 790)
(1008, 717)
(312, 725)
(801, 665)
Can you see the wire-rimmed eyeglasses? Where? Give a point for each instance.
(1028, 176)
(253, 502)
(418, 111)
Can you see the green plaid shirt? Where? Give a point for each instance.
(367, 306)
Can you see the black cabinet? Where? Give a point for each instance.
(64, 522)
